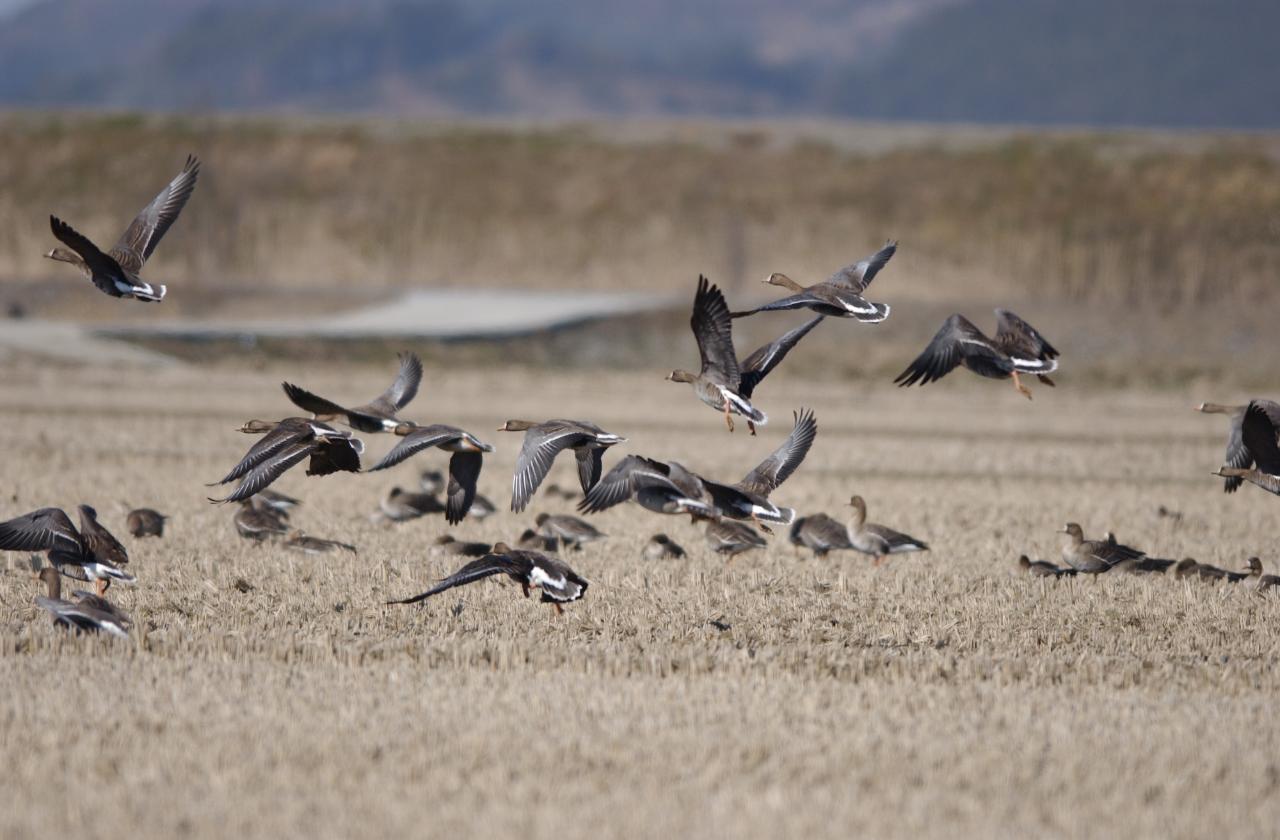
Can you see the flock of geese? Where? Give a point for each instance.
(735, 515)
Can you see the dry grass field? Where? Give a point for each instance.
(939, 695)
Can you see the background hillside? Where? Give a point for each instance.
(1141, 62)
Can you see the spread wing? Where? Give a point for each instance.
(1021, 340)
(490, 564)
(419, 439)
(713, 329)
(1238, 455)
(859, 275)
(957, 339)
(620, 483)
(464, 471)
(779, 466)
(41, 530)
(1259, 430)
(270, 444)
(405, 388)
(590, 465)
(100, 264)
(538, 451)
(143, 235)
(270, 468)
(758, 365)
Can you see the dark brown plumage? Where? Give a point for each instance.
(1017, 349)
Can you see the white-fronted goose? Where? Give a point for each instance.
(533, 541)
(1145, 566)
(544, 441)
(717, 383)
(91, 554)
(820, 534)
(277, 501)
(450, 546)
(877, 540)
(285, 444)
(1238, 455)
(567, 530)
(732, 538)
(662, 547)
(88, 613)
(399, 505)
(1258, 430)
(1042, 568)
(767, 476)
(760, 363)
(839, 296)
(256, 520)
(116, 271)
(1093, 557)
(145, 522)
(378, 415)
(1016, 349)
(558, 583)
(464, 465)
(1213, 574)
(1261, 582)
(300, 541)
(656, 486)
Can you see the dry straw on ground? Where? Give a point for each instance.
(940, 695)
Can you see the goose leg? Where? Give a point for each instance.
(761, 525)
(1022, 389)
(100, 586)
(879, 559)
(559, 609)
(728, 421)
(751, 427)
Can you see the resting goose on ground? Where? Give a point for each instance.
(1093, 557)
(400, 505)
(285, 444)
(1213, 574)
(464, 466)
(116, 271)
(89, 554)
(544, 441)
(145, 522)
(877, 540)
(1238, 455)
(1042, 568)
(378, 415)
(533, 541)
(1258, 430)
(567, 530)
(1016, 349)
(277, 501)
(1261, 582)
(299, 541)
(450, 546)
(839, 296)
(820, 534)
(87, 613)
(558, 583)
(718, 381)
(257, 520)
(662, 547)
(732, 538)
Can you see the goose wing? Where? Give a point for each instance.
(490, 564)
(270, 469)
(713, 329)
(859, 275)
(100, 265)
(957, 340)
(759, 364)
(1259, 429)
(1024, 344)
(423, 437)
(779, 466)
(335, 454)
(148, 227)
(620, 483)
(464, 472)
(1238, 455)
(542, 443)
(282, 436)
(41, 530)
(404, 389)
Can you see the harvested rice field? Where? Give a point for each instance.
(266, 693)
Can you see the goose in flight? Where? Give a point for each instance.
(115, 272)
(839, 296)
(377, 415)
(1258, 430)
(464, 466)
(557, 583)
(1238, 455)
(89, 554)
(287, 443)
(1017, 349)
(544, 441)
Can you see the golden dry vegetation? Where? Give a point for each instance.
(939, 695)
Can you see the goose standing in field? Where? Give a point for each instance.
(567, 530)
(285, 444)
(877, 540)
(145, 522)
(1258, 430)
(115, 272)
(820, 534)
(1238, 454)
(464, 465)
(378, 415)
(257, 520)
(1093, 557)
(88, 613)
(1042, 568)
(558, 583)
(400, 505)
(544, 441)
(839, 296)
(1017, 349)
(91, 554)
(1261, 582)
(732, 538)
(662, 547)
(718, 381)
(450, 546)
(300, 541)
